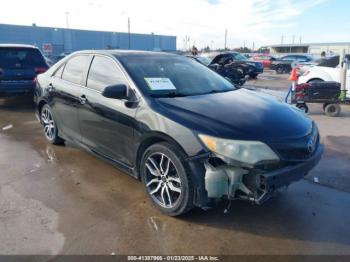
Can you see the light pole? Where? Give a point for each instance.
(225, 39)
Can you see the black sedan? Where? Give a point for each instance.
(239, 62)
(185, 131)
(283, 65)
(235, 75)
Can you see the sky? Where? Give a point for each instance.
(203, 22)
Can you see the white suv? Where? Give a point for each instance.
(327, 70)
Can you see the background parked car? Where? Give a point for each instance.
(327, 70)
(19, 66)
(239, 62)
(283, 65)
(266, 60)
(303, 67)
(235, 76)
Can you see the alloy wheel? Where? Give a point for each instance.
(49, 124)
(162, 180)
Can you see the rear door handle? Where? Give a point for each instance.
(82, 99)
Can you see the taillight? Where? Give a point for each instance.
(306, 73)
(39, 70)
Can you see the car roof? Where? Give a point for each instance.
(17, 46)
(122, 53)
(306, 55)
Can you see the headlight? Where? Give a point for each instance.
(250, 152)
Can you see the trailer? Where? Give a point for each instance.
(329, 94)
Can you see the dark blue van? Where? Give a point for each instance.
(19, 66)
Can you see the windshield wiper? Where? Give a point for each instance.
(214, 91)
(169, 94)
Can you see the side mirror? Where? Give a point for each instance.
(119, 91)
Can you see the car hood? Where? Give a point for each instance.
(240, 114)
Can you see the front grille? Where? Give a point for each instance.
(294, 154)
(301, 149)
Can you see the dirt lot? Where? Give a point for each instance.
(62, 200)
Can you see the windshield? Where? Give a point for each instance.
(21, 57)
(240, 57)
(164, 75)
(330, 62)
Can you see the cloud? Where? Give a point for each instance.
(204, 21)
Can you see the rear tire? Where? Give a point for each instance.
(317, 80)
(332, 110)
(280, 69)
(167, 179)
(50, 126)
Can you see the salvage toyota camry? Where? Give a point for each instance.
(185, 131)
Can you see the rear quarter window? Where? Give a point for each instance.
(59, 71)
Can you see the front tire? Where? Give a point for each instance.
(279, 70)
(166, 178)
(50, 126)
(253, 76)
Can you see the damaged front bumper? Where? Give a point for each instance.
(255, 185)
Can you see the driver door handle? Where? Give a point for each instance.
(82, 99)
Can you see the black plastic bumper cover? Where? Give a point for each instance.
(17, 87)
(285, 176)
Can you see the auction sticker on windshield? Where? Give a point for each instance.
(158, 83)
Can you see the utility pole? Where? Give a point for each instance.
(66, 35)
(293, 39)
(187, 43)
(253, 47)
(67, 19)
(300, 40)
(282, 38)
(129, 44)
(225, 39)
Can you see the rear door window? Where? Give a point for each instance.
(104, 72)
(288, 58)
(301, 58)
(21, 58)
(74, 69)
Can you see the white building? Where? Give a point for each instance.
(310, 48)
